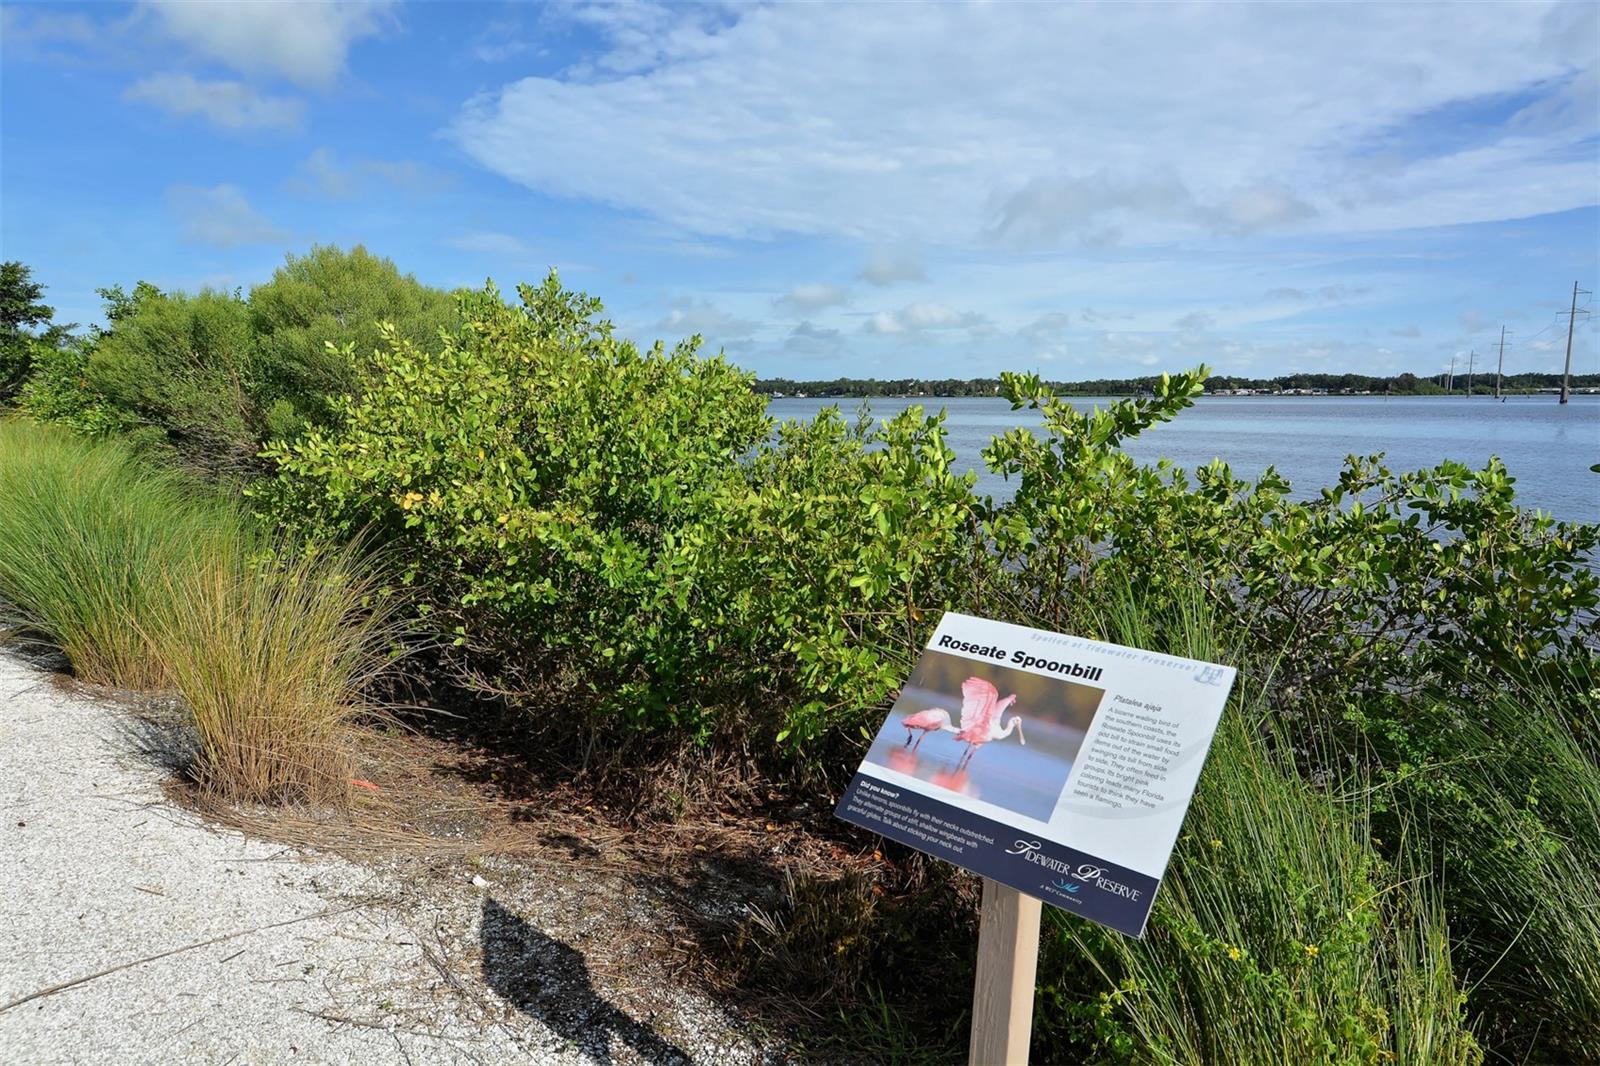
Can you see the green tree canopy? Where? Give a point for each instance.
(22, 312)
(211, 377)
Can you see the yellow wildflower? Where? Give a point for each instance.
(1235, 954)
(1216, 843)
(1311, 950)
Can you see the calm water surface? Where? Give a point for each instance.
(1547, 447)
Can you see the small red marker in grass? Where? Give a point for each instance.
(363, 783)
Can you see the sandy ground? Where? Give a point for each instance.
(275, 956)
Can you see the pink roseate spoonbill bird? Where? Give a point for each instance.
(926, 722)
(981, 711)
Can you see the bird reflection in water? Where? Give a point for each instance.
(956, 781)
(902, 760)
(934, 771)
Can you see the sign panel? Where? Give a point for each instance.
(1060, 766)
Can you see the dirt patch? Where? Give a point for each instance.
(764, 902)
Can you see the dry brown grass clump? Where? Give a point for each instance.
(271, 650)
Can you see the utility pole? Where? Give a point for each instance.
(1572, 316)
(1450, 382)
(1500, 367)
(1471, 359)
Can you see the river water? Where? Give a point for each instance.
(1546, 446)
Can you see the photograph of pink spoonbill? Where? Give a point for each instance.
(987, 732)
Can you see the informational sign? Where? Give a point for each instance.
(1059, 766)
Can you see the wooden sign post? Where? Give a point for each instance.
(1002, 995)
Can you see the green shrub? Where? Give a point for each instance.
(1384, 580)
(541, 483)
(832, 559)
(207, 379)
(568, 507)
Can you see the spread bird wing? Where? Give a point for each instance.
(979, 705)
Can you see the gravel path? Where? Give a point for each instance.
(311, 959)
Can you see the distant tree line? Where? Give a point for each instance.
(1334, 384)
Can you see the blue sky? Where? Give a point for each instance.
(881, 190)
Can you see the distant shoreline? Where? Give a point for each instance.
(1303, 384)
(1231, 395)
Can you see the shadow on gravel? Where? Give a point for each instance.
(549, 980)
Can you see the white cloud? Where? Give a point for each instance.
(814, 297)
(884, 268)
(37, 28)
(500, 40)
(920, 318)
(323, 173)
(814, 342)
(306, 43)
(220, 216)
(231, 105)
(488, 243)
(1411, 332)
(690, 316)
(1195, 321)
(1049, 126)
(1046, 326)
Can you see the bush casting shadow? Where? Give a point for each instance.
(549, 980)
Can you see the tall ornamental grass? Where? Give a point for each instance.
(1280, 934)
(1505, 783)
(149, 582)
(272, 653)
(89, 546)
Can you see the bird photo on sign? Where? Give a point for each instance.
(984, 731)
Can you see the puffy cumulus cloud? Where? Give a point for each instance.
(814, 342)
(921, 318)
(815, 297)
(230, 105)
(889, 268)
(220, 216)
(1050, 126)
(324, 174)
(305, 43)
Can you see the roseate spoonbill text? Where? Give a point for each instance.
(981, 710)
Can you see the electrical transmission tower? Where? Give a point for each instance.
(1500, 367)
(1572, 316)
